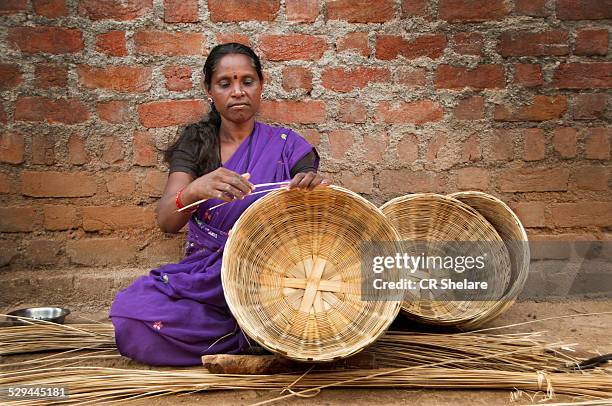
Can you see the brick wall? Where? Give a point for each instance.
(507, 96)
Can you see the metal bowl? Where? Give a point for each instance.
(52, 314)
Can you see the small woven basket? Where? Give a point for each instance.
(513, 234)
(292, 277)
(433, 218)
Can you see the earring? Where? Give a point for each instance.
(210, 100)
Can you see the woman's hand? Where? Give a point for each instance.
(308, 180)
(220, 184)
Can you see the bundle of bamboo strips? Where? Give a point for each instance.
(94, 384)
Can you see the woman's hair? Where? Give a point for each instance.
(207, 130)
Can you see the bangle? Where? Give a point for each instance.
(179, 204)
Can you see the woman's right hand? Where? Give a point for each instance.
(221, 183)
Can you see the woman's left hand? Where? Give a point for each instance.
(308, 180)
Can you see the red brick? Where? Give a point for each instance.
(163, 252)
(408, 149)
(102, 251)
(418, 112)
(463, 11)
(591, 42)
(3, 117)
(502, 145)
(522, 43)
(590, 106)
(237, 10)
(340, 141)
(97, 218)
(292, 46)
(57, 184)
(171, 112)
(470, 150)
(181, 11)
(63, 111)
(312, 136)
(10, 76)
(472, 179)
(13, 6)
(232, 37)
(541, 109)
(481, 77)
(60, 217)
(343, 80)
(351, 111)
(49, 75)
(363, 183)
(120, 183)
(469, 43)
(391, 46)
(532, 8)
(52, 40)
(534, 144)
(6, 184)
(415, 8)
(354, 41)
(43, 149)
(42, 252)
(115, 111)
(170, 43)
(411, 77)
(564, 141)
(11, 148)
(8, 250)
(581, 214)
(122, 10)
(112, 150)
(296, 77)
(178, 77)
(77, 152)
(360, 11)
(374, 147)
(531, 214)
(17, 219)
(534, 180)
(303, 112)
(50, 8)
(439, 153)
(154, 183)
(591, 178)
(409, 181)
(143, 148)
(112, 43)
(584, 9)
(471, 108)
(528, 75)
(583, 76)
(134, 79)
(301, 11)
(597, 143)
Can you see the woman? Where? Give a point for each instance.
(178, 313)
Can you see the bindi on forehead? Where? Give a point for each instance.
(235, 76)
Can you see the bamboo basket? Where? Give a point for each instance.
(292, 277)
(513, 234)
(430, 217)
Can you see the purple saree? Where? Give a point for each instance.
(178, 312)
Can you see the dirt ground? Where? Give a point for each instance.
(593, 334)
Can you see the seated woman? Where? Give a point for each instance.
(178, 312)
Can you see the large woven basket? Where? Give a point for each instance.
(513, 234)
(292, 276)
(436, 218)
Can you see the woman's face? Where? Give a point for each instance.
(235, 88)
